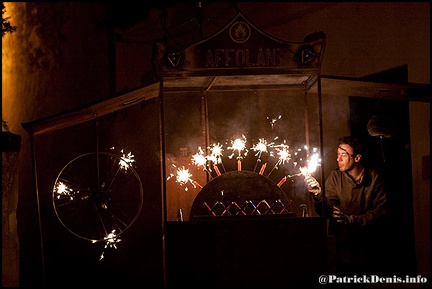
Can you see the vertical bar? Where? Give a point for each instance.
(306, 116)
(163, 172)
(36, 186)
(321, 142)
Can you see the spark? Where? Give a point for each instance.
(125, 161)
(111, 240)
(284, 156)
(273, 120)
(183, 177)
(199, 159)
(63, 190)
(312, 163)
(216, 157)
(260, 147)
(215, 153)
(238, 145)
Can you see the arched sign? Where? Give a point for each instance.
(241, 48)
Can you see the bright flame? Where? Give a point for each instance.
(313, 163)
(125, 161)
(238, 145)
(199, 158)
(273, 120)
(215, 153)
(260, 147)
(63, 190)
(111, 240)
(183, 177)
(283, 153)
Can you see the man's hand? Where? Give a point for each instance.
(341, 217)
(312, 185)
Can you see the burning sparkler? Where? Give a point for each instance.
(125, 161)
(306, 171)
(284, 156)
(311, 167)
(238, 145)
(63, 190)
(199, 159)
(260, 147)
(111, 240)
(183, 177)
(216, 157)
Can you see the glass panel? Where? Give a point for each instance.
(268, 135)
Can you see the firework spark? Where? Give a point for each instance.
(216, 157)
(238, 145)
(111, 240)
(273, 120)
(183, 177)
(284, 156)
(260, 147)
(125, 161)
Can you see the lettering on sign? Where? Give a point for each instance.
(243, 57)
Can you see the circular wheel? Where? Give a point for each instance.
(97, 195)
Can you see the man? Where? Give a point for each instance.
(355, 201)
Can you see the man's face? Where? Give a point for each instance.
(345, 157)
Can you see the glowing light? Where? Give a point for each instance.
(215, 153)
(199, 159)
(125, 161)
(238, 145)
(216, 157)
(63, 190)
(111, 240)
(260, 147)
(183, 177)
(284, 156)
(313, 163)
(273, 120)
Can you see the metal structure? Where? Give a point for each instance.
(237, 77)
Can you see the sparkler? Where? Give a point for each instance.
(313, 163)
(311, 167)
(64, 190)
(183, 177)
(238, 145)
(216, 157)
(200, 160)
(260, 147)
(111, 240)
(125, 161)
(284, 156)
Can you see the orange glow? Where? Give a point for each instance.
(10, 97)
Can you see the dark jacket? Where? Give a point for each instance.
(358, 242)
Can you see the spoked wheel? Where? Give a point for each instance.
(96, 195)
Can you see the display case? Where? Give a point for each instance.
(239, 130)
